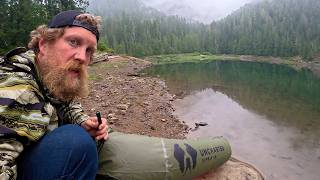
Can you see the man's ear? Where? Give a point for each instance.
(42, 46)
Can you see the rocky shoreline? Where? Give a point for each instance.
(133, 104)
(143, 105)
(296, 62)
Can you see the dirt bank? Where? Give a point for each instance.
(139, 105)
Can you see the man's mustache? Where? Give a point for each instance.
(74, 65)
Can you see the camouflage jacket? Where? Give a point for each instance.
(27, 110)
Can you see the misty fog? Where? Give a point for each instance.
(202, 10)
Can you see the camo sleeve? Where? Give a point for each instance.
(21, 112)
(9, 150)
(73, 113)
(20, 108)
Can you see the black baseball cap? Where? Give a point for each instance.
(67, 18)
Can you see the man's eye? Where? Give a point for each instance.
(90, 51)
(73, 42)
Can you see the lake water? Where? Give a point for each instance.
(269, 113)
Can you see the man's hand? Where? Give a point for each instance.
(91, 125)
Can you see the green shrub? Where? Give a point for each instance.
(102, 46)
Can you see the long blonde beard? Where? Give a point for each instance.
(57, 79)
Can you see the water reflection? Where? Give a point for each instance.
(270, 113)
(253, 137)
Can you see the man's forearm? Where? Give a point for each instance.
(73, 113)
(9, 150)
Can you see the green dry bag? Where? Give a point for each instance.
(137, 157)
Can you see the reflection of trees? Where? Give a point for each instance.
(280, 93)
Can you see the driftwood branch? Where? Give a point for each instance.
(100, 58)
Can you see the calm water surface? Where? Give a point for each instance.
(269, 113)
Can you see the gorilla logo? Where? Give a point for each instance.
(185, 160)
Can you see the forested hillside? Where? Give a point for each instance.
(269, 27)
(19, 17)
(132, 28)
(272, 27)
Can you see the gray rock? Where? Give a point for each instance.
(122, 107)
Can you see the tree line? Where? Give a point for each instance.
(164, 35)
(268, 28)
(19, 17)
(277, 28)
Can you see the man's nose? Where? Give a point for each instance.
(81, 56)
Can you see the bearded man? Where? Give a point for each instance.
(38, 89)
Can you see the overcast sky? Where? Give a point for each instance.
(204, 10)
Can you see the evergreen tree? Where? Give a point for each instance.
(19, 17)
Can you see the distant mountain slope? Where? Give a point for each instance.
(179, 8)
(204, 11)
(129, 27)
(109, 8)
(272, 27)
(266, 27)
